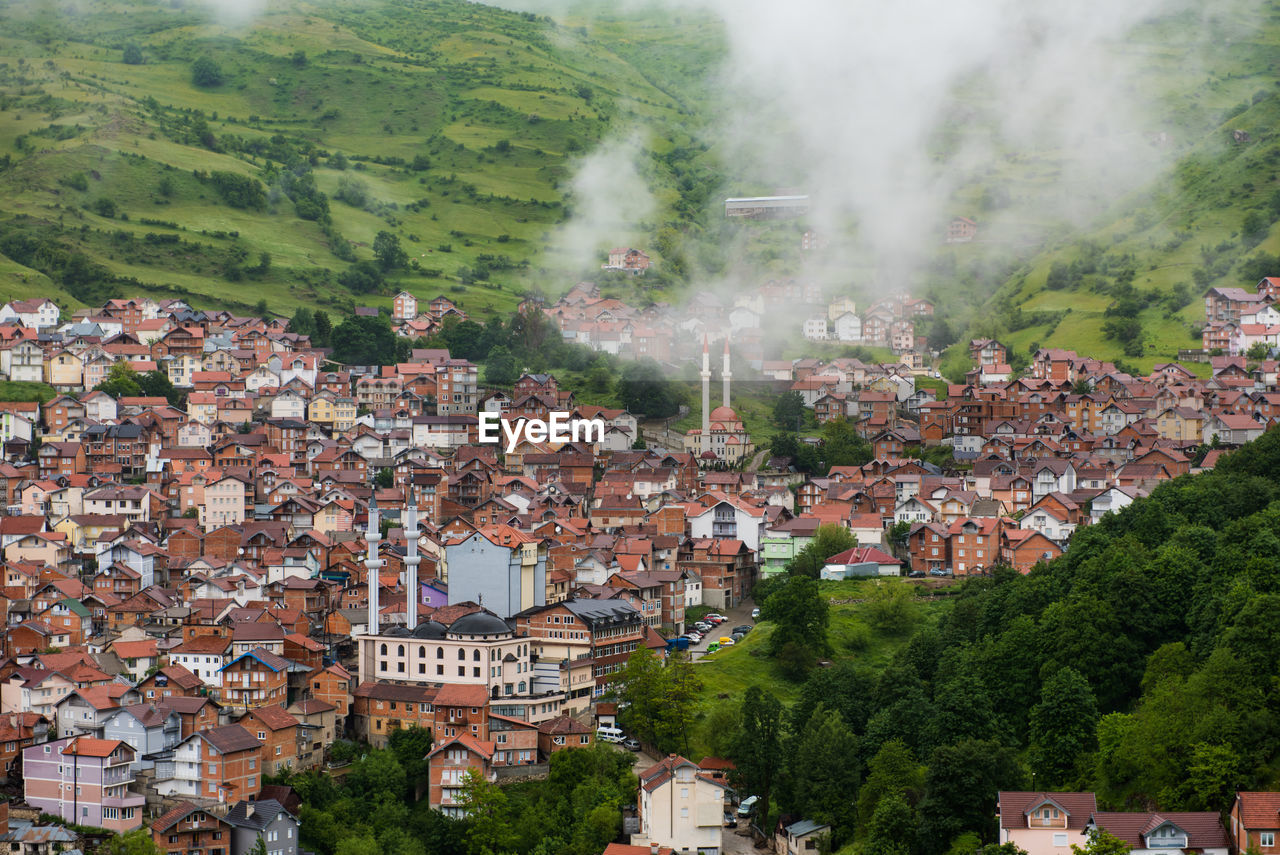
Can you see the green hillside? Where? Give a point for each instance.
(1128, 285)
(450, 125)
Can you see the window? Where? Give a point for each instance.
(1267, 838)
(1060, 839)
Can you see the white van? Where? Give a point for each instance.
(609, 734)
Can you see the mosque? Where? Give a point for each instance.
(722, 438)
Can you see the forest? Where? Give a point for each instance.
(1141, 665)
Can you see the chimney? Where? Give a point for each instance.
(653, 848)
(248, 810)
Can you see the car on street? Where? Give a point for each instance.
(631, 744)
(738, 636)
(717, 617)
(713, 647)
(916, 574)
(744, 629)
(937, 571)
(755, 613)
(727, 641)
(730, 821)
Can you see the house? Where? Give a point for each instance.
(189, 830)
(1045, 823)
(266, 819)
(447, 767)
(1254, 823)
(147, 729)
(680, 806)
(561, 732)
(254, 679)
(800, 838)
(83, 780)
(1152, 833)
(219, 764)
(861, 561)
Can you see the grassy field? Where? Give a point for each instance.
(727, 673)
(459, 123)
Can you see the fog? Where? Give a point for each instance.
(881, 111)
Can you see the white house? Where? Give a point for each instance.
(815, 329)
(680, 807)
(35, 313)
(728, 519)
(848, 327)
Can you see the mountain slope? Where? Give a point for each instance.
(451, 125)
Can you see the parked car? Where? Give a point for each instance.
(916, 574)
(748, 805)
(701, 626)
(939, 572)
(631, 744)
(730, 821)
(738, 636)
(713, 647)
(716, 616)
(744, 629)
(727, 641)
(755, 613)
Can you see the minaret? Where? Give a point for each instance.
(411, 560)
(706, 397)
(726, 372)
(372, 562)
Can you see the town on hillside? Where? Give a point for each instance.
(224, 553)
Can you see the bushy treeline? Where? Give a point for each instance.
(375, 807)
(1141, 665)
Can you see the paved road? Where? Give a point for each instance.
(737, 616)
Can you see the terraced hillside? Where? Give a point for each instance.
(156, 148)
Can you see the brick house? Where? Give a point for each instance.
(255, 679)
(279, 734)
(222, 764)
(189, 830)
(447, 766)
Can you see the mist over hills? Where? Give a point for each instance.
(235, 153)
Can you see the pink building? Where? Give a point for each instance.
(83, 780)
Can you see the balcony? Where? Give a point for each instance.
(128, 800)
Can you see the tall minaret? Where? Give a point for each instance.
(727, 373)
(411, 560)
(372, 562)
(706, 396)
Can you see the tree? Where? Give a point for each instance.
(377, 772)
(757, 752)
(599, 377)
(385, 479)
(299, 58)
(1101, 842)
(121, 382)
(892, 828)
(1063, 728)
(360, 340)
(824, 772)
(1258, 351)
(324, 329)
(892, 770)
(488, 815)
(363, 277)
(386, 248)
(302, 322)
(961, 787)
(681, 688)
(156, 384)
(206, 73)
(500, 367)
(260, 847)
(828, 540)
(643, 389)
(842, 446)
(800, 614)
(640, 685)
(891, 607)
(410, 746)
(136, 842)
(132, 54)
(789, 411)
